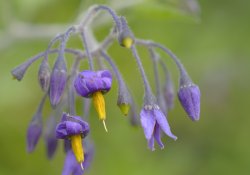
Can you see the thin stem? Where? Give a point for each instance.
(177, 61)
(40, 107)
(155, 58)
(89, 56)
(112, 13)
(64, 41)
(148, 92)
(50, 45)
(116, 71)
(72, 109)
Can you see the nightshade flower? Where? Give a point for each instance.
(73, 128)
(189, 96)
(94, 84)
(153, 121)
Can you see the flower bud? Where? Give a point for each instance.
(20, 70)
(189, 96)
(44, 75)
(124, 99)
(34, 132)
(57, 82)
(125, 36)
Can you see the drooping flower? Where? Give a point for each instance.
(189, 96)
(94, 84)
(153, 121)
(73, 128)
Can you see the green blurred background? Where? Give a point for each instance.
(213, 46)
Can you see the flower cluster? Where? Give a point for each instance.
(61, 85)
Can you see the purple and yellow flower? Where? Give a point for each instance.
(94, 84)
(153, 121)
(73, 128)
(189, 96)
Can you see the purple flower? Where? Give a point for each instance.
(34, 132)
(71, 125)
(88, 82)
(71, 166)
(153, 121)
(57, 82)
(189, 96)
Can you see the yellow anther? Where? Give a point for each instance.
(76, 144)
(127, 42)
(99, 104)
(124, 108)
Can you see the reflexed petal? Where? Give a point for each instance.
(73, 128)
(71, 125)
(88, 82)
(163, 123)
(157, 135)
(61, 132)
(151, 144)
(147, 122)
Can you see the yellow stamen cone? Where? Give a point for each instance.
(124, 108)
(76, 144)
(99, 104)
(127, 42)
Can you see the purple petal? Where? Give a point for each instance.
(88, 82)
(163, 123)
(151, 144)
(71, 125)
(70, 163)
(189, 96)
(157, 135)
(61, 132)
(73, 128)
(148, 123)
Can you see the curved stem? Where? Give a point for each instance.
(148, 92)
(178, 63)
(89, 56)
(71, 93)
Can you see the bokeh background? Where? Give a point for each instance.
(213, 44)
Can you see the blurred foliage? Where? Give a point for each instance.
(213, 45)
